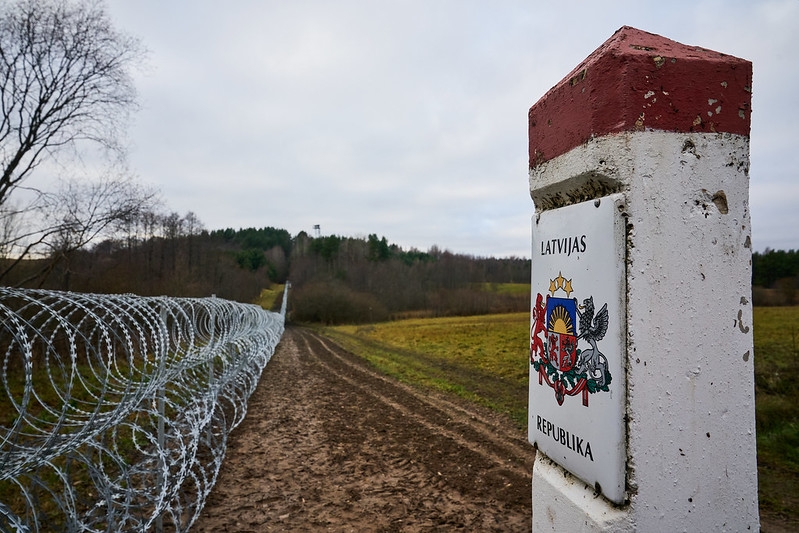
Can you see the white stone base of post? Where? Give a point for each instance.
(562, 502)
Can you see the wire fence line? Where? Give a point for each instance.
(116, 409)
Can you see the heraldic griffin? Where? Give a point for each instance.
(592, 329)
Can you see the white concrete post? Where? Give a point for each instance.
(639, 163)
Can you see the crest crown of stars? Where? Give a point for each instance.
(560, 283)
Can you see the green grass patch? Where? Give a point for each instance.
(268, 297)
(515, 289)
(776, 331)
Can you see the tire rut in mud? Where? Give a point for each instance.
(331, 444)
(428, 409)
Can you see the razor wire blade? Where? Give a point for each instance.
(115, 409)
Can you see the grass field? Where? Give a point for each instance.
(776, 331)
(485, 359)
(519, 289)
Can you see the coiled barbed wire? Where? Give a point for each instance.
(115, 409)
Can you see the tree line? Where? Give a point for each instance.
(334, 278)
(775, 277)
(365, 280)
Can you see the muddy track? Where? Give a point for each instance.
(329, 444)
(433, 411)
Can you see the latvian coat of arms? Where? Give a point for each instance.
(564, 338)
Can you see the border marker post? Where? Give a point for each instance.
(641, 355)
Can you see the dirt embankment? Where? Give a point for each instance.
(330, 445)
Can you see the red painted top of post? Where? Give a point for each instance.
(640, 81)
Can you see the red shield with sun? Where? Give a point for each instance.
(561, 339)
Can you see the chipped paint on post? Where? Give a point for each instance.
(689, 411)
(638, 81)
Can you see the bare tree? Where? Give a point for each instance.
(77, 213)
(9, 229)
(65, 88)
(193, 224)
(193, 228)
(172, 226)
(64, 79)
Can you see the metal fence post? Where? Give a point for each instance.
(211, 352)
(159, 521)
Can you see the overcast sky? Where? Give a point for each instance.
(409, 118)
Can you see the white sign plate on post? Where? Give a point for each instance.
(577, 342)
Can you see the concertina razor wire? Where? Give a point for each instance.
(116, 409)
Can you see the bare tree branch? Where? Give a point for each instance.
(77, 213)
(64, 78)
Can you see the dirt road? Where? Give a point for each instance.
(330, 445)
